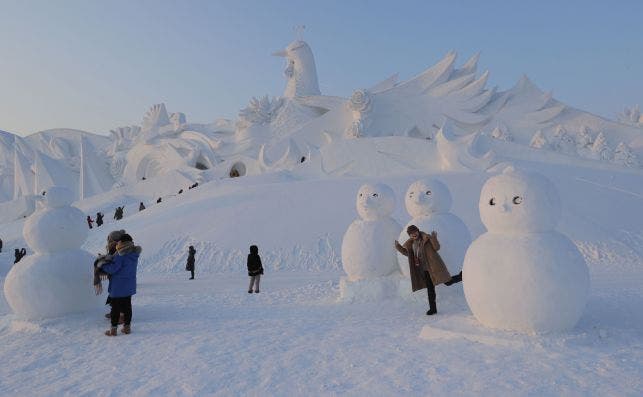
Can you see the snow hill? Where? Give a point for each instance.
(301, 158)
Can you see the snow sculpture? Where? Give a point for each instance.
(600, 148)
(631, 116)
(501, 133)
(359, 104)
(428, 201)
(154, 119)
(562, 141)
(623, 155)
(300, 72)
(178, 120)
(368, 254)
(57, 279)
(522, 274)
(538, 141)
(461, 153)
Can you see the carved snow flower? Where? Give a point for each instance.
(360, 101)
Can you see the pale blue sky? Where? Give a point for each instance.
(96, 65)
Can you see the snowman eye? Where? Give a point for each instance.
(375, 195)
(428, 192)
(517, 200)
(492, 201)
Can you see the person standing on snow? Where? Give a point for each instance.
(189, 266)
(122, 270)
(99, 219)
(90, 221)
(255, 269)
(426, 266)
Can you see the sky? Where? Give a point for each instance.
(97, 65)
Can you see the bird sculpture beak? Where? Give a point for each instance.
(280, 53)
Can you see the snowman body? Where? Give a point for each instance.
(57, 279)
(428, 201)
(367, 247)
(522, 274)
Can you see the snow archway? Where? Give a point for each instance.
(237, 169)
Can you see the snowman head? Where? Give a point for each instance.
(519, 202)
(375, 201)
(427, 196)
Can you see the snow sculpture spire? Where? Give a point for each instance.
(94, 179)
(301, 73)
(23, 179)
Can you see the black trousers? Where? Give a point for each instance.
(121, 305)
(430, 289)
(192, 273)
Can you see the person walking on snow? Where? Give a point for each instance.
(118, 213)
(90, 221)
(99, 219)
(189, 266)
(425, 264)
(141, 206)
(0, 245)
(122, 270)
(255, 269)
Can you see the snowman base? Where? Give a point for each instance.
(51, 285)
(370, 289)
(466, 327)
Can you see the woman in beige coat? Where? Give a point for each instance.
(425, 264)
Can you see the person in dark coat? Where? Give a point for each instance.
(118, 214)
(180, 191)
(122, 269)
(90, 221)
(99, 219)
(141, 206)
(426, 267)
(158, 200)
(189, 266)
(17, 257)
(0, 245)
(255, 269)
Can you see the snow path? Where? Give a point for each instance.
(210, 337)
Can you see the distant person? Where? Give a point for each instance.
(255, 269)
(143, 178)
(189, 266)
(122, 270)
(90, 221)
(118, 213)
(19, 254)
(0, 245)
(180, 191)
(158, 200)
(141, 206)
(99, 219)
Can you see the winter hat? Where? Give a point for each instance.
(125, 237)
(254, 249)
(115, 235)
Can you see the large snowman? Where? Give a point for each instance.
(57, 279)
(522, 274)
(368, 255)
(428, 202)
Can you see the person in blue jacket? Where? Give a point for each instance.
(122, 282)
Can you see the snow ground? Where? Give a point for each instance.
(210, 337)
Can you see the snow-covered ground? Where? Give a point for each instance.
(210, 337)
